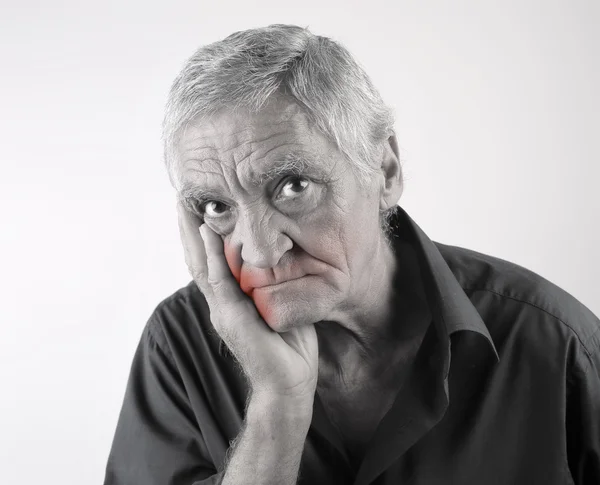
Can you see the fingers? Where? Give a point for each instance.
(225, 288)
(233, 314)
(236, 319)
(193, 246)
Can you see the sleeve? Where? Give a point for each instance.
(157, 440)
(583, 416)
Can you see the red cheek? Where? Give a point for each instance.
(235, 265)
(263, 308)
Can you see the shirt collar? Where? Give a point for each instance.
(451, 308)
(423, 397)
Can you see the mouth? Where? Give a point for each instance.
(275, 286)
(280, 283)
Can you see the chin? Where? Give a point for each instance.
(282, 308)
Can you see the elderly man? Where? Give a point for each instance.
(325, 339)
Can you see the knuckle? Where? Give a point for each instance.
(230, 314)
(199, 278)
(204, 293)
(238, 311)
(215, 283)
(199, 275)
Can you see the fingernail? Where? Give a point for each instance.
(200, 230)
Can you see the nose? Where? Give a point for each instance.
(263, 244)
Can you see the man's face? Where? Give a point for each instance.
(299, 234)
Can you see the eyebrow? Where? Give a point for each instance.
(293, 163)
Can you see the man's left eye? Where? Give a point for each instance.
(293, 187)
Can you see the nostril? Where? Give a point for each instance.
(265, 252)
(285, 242)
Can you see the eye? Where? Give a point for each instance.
(214, 208)
(292, 187)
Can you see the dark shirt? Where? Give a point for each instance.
(505, 389)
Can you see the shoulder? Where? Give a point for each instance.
(185, 302)
(181, 322)
(512, 298)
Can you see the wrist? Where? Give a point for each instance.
(266, 405)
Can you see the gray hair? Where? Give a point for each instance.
(247, 67)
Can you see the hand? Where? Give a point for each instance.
(276, 364)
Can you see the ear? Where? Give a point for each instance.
(393, 183)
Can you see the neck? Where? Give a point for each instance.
(373, 342)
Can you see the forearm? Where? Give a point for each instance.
(269, 448)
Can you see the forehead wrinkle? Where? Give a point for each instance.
(251, 164)
(251, 148)
(191, 188)
(249, 126)
(217, 134)
(206, 162)
(196, 170)
(195, 144)
(246, 156)
(197, 133)
(203, 149)
(297, 162)
(233, 160)
(196, 155)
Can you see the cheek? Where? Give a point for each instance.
(235, 265)
(328, 241)
(263, 308)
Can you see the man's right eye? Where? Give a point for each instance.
(214, 208)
